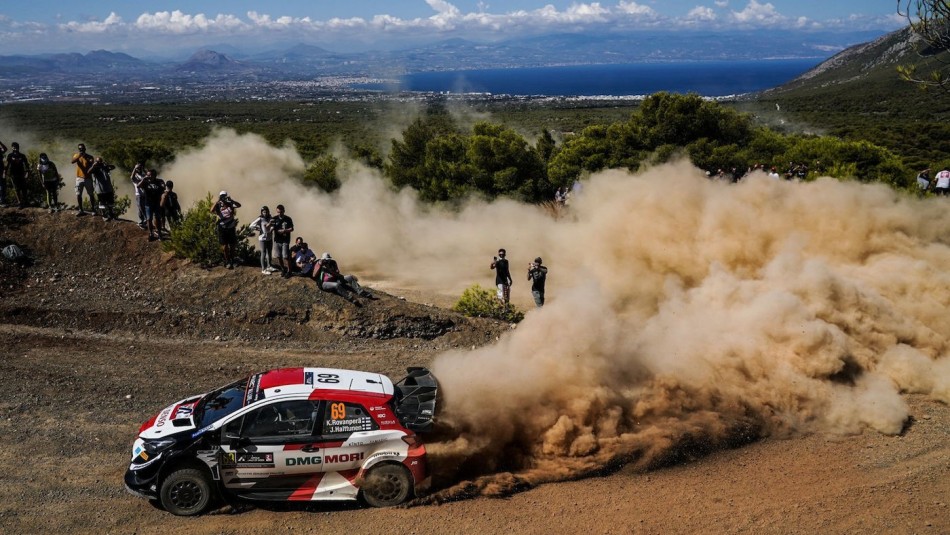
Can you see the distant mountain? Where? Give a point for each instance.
(306, 61)
(209, 59)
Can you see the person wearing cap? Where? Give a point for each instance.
(327, 274)
(537, 274)
(83, 163)
(264, 225)
(283, 228)
(18, 169)
(226, 210)
(49, 175)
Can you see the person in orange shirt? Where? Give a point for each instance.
(84, 163)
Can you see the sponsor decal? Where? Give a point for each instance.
(377, 408)
(144, 456)
(303, 461)
(163, 417)
(384, 454)
(344, 457)
(183, 412)
(200, 432)
(251, 394)
(387, 422)
(244, 459)
(308, 378)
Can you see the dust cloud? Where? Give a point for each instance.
(684, 314)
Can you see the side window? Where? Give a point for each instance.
(286, 419)
(343, 418)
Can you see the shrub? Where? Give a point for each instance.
(196, 238)
(483, 303)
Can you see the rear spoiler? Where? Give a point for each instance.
(415, 399)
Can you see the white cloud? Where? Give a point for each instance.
(176, 22)
(633, 8)
(701, 14)
(111, 22)
(721, 4)
(759, 14)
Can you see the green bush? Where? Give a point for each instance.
(483, 303)
(197, 239)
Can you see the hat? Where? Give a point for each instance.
(325, 256)
(537, 260)
(43, 157)
(223, 194)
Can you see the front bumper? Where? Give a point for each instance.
(142, 483)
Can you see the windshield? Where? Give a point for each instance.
(220, 403)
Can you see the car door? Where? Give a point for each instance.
(344, 452)
(269, 452)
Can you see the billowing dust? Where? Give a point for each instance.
(683, 314)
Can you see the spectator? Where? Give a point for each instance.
(305, 260)
(102, 181)
(171, 210)
(51, 179)
(137, 177)
(153, 187)
(773, 174)
(559, 197)
(502, 276)
(328, 277)
(18, 169)
(264, 225)
(283, 228)
(294, 249)
(942, 186)
(226, 210)
(83, 163)
(537, 274)
(3, 176)
(923, 181)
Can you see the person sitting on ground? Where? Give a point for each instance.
(51, 179)
(327, 274)
(226, 210)
(102, 184)
(305, 260)
(294, 249)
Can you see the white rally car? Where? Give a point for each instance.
(293, 434)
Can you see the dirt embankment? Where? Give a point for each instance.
(101, 330)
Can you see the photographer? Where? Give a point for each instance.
(502, 276)
(537, 274)
(226, 210)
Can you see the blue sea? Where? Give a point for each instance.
(707, 78)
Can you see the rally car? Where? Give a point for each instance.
(290, 434)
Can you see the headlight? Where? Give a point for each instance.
(153, 447)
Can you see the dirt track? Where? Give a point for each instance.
(83, 366)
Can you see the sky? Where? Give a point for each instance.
(152, 25)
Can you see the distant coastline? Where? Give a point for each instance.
(707, 78)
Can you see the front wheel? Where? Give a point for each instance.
(186, 492)
(386, 485)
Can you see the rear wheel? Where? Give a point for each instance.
(386, 485)
(186, 492)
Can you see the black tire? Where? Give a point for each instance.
(186, 492)
(386, 485)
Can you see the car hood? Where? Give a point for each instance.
(174, 418)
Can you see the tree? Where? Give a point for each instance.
(929, 20)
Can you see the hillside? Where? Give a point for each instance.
(857, 94)
(101, 329)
